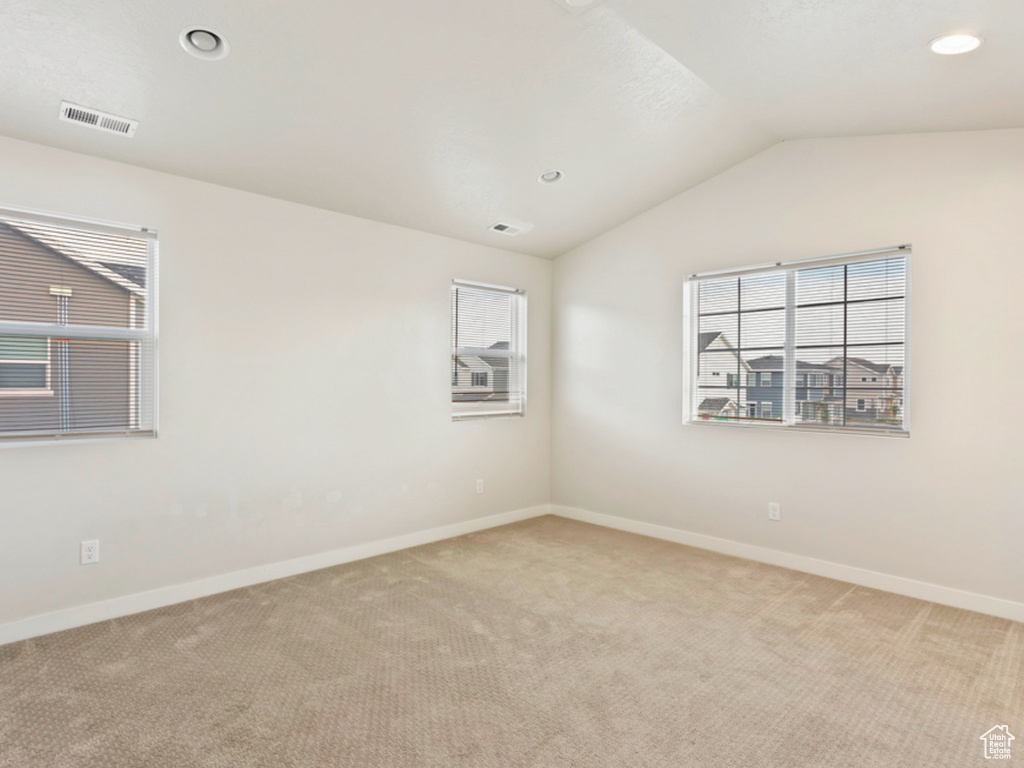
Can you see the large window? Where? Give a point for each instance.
(819, 344)
(77, 328)
(488, 351)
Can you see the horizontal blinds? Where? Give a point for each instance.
(819, 345)
(77, 329)
(488, 360)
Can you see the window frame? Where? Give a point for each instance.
(517, 350)
(143, 357)
(791, 421)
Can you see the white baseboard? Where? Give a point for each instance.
(957, 598)
(45, 623)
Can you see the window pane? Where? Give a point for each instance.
(23, 348)
(820, 285)
(718, 295)
(763, 291)
(876, 322)
(760, 330)
(875, 396)
(22, 376)
(876, 279)
(98, 274)
(819, 325)
(484, 318)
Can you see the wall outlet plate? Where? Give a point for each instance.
(89, 552)
(479, 486)
(774, 511)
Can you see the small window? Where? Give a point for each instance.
(732, 380)
(78, 337)
(24, 367)
(766, 410)
(807, 323)
(488, 351)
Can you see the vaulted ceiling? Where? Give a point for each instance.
(441, 115)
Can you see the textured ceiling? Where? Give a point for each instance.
(440, 116)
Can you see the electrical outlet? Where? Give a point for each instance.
(480, 486)
(774, 511)
(89, 552)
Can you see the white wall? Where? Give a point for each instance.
(945, 506)
(304, 394)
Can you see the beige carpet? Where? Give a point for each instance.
(544, 644)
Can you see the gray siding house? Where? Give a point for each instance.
(819, 391)
(53, 384)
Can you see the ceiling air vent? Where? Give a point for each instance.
(506, 229)
(101, 121)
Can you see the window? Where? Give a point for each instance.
(77, 328)
(24, 366)
(488, 351)
(837, 320)
(732, 380)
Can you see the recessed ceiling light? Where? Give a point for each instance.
(952, 44)
(550, 177)
(204, 43)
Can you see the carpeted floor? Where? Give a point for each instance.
(544, 644)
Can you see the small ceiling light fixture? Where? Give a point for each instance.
(550, 177)
(204, 43)
(949, 45)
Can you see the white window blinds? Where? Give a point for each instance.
(818, 344)
(77, 329)
(488, 373)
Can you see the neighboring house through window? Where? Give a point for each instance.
(488, 350)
